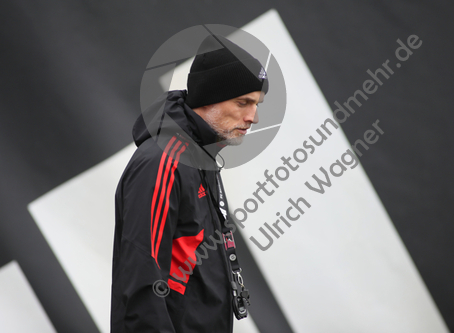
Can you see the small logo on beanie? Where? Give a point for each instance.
(262, 74)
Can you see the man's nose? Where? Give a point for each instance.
(252, 115)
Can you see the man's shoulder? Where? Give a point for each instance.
(171, 154)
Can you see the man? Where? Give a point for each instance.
(172, 231)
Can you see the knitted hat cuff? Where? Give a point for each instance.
(225, 82)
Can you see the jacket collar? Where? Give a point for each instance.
(178, 119)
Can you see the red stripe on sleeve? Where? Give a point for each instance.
(156, 191)
(166, 209)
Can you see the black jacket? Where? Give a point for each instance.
(164, 212)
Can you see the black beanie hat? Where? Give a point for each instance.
(221, 71)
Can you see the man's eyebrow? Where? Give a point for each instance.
(248, 99)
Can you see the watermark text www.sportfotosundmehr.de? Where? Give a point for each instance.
(319, 183)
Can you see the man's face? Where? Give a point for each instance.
(231, 119)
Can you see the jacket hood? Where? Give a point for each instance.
(170, 116)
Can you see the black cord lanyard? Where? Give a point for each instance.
(240, 298)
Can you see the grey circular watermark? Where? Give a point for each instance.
(168, 69)
(161, 288)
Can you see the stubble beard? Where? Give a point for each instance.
(215, 120)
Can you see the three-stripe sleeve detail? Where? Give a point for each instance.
(160, 200)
